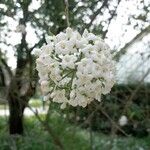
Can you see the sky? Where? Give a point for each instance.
(120, 32)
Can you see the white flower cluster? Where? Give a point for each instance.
(75, 69)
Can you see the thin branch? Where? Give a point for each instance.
(93, 17)
(87, 121)
(110, 19)
(130, 99)
(137, 38)
(2, 76)
(98, 107)
(91, 132)
(67, 12)
(113, 122)
(6, 67)
(56, 140)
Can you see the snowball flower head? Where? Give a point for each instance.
(75, 69)
(123, 120)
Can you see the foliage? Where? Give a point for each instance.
(117, 104)
(73, 138)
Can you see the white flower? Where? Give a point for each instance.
(123, 120)
(61, 37)
(85, 33)
(73, 102)
(81, 43)
(45, 86)
(59, 96)
(69, 32)
(68, 61)
(47, 49)
(92, 37)
(63, 105)
(79, 68)
(55, 74)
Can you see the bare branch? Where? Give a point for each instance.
(137, 38)
(99, 108)
(113, 122)
(66, 4)
(6, 67)
(130, 99)
(93, 17)
(110, 19)
(55, 138)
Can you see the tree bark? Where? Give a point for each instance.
(15, 120)
(16, 110)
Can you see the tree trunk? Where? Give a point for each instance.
(15, 117)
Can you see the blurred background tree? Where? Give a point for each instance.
(40, 18)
